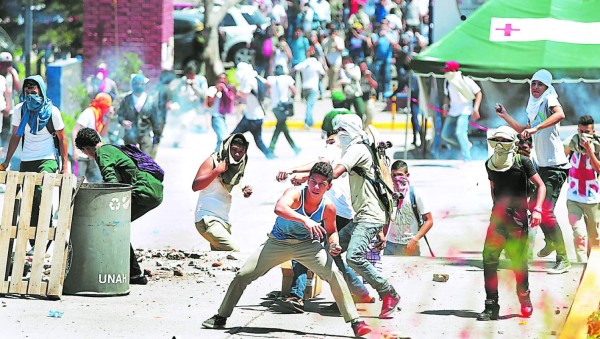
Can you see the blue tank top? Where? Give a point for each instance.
(288, 229)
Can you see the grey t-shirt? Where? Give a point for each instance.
(548, 147)
(366, 204)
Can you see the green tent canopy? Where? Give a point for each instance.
(509, 40)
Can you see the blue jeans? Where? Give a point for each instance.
(355, 285)
(311, 97)
(254, 127)
(383, 76)
(220, 127)
(414, 119)
(454, 132)
(355, 238)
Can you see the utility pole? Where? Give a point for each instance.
(28, 36)
(431, 24)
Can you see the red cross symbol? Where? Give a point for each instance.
(583, 174)
(507, 29)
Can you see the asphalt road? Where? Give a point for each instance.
(174, 307)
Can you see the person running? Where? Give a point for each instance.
(509, 174)
(254, 113)
(118, 167)
(304, 218)
(280, 87)
(544, 114)
(215, 179)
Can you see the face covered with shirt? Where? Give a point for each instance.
(138, 83)
(504, 144)
(37, 108)
(233, 150)
(350, 130)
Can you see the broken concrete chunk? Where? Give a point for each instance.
(440, 277)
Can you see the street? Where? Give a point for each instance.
(458, 193)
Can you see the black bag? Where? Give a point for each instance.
(285, 108)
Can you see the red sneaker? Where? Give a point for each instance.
(360, 328)
(390, 300)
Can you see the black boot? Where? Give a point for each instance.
(526, 306)
(491, 311)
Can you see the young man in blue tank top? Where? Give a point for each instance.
(304, 217)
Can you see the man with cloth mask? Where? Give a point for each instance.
(583, 194)
(462, 98)
(30, 121)
(96, 116)
(215, 179)
(509, 174)
(370, 216)
(137, 114)
(544, 114)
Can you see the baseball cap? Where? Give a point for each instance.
(5, 57)
(451, 66)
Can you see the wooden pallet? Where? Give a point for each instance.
(16, 231)
(586, 299)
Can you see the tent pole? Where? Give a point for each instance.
(407, 110)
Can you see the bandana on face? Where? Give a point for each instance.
(351, 130)
(504, 151)
(100, 105)
(138, 83)
(36, 110)
(575, 145)
(235, 169)
(534, 105)
(401, 185)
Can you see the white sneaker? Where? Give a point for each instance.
(560, 267)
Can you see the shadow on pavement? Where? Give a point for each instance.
(465, 314)
(270, 330)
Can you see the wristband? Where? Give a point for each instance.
(537, 209)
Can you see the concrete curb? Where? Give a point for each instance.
(398, 125)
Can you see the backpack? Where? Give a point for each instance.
(383, 189)
(415, 208)
(261, 92)
(143, 161)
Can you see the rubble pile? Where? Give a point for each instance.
(168, 263)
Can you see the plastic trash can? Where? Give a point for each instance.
(98, 262)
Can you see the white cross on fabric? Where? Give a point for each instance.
(549, 29)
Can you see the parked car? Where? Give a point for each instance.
(187, 28)
(235, 34)
(237, 28)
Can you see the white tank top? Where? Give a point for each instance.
(214, 201)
